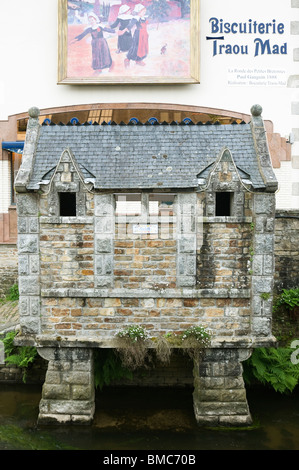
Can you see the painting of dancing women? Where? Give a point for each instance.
(101, 57)
(123, 20)
(139, 48)
(128, 41)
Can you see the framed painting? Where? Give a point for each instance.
(128, 41)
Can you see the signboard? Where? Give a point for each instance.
(255, 49)
(145, 229)
(256, 77)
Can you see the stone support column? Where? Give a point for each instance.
(219, 396)
(28, 234)
(263, 263)
(104, 240)
(186, 235)
(29, 263)
(68, 390)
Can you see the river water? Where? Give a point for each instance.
(135, 418)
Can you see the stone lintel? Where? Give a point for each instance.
(147, 293)
(66, 220)
(54, 341)
(227, 220)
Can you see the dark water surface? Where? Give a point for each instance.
(134, 418)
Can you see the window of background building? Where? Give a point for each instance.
(161, 204)
(16, 160)
(128, 204)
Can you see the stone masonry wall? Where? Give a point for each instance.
(224, 258)
(67, 256)
(286, 250)
(91, 317)
(8, 268)
(140, 263)
(286, 253)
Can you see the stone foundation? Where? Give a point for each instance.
(68, 391)
(219, 396)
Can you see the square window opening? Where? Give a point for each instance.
(224, 203)
(128, 204)
(67, 203)
(161, 204)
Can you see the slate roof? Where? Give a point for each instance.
(144, 156)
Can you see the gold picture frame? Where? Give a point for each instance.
(90, 52)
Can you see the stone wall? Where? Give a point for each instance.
(66, 256)
(286, 250)
(102, 317)
(176, 373)
(8, 268)
(286, 253)
(10, 373)
(140, 263)
(224, 258)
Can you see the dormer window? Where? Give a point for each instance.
(224, 204)
(67, 204)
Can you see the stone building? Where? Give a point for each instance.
(163, 225)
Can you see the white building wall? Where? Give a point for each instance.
(28, 51)
(5, 188)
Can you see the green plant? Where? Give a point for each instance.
(132, 347)
(265, 295)
(272, 367)
(197, 333)
(8, 342)
(163, 349)
(289, 298)
(108, 367)
(21, 356)
(12, 295)
(194, 340)
(133, 332)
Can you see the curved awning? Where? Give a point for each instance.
(16, 147)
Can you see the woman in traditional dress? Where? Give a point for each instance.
(101, 57)
(122, 21)
(139, 48)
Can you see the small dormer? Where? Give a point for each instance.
(224, 184)
(65, 187)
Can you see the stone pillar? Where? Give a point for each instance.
(28, 263)
(263, 264)
(68, 391)
(186, 235)
(219, 396)
(104, 240)
(28, 234)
